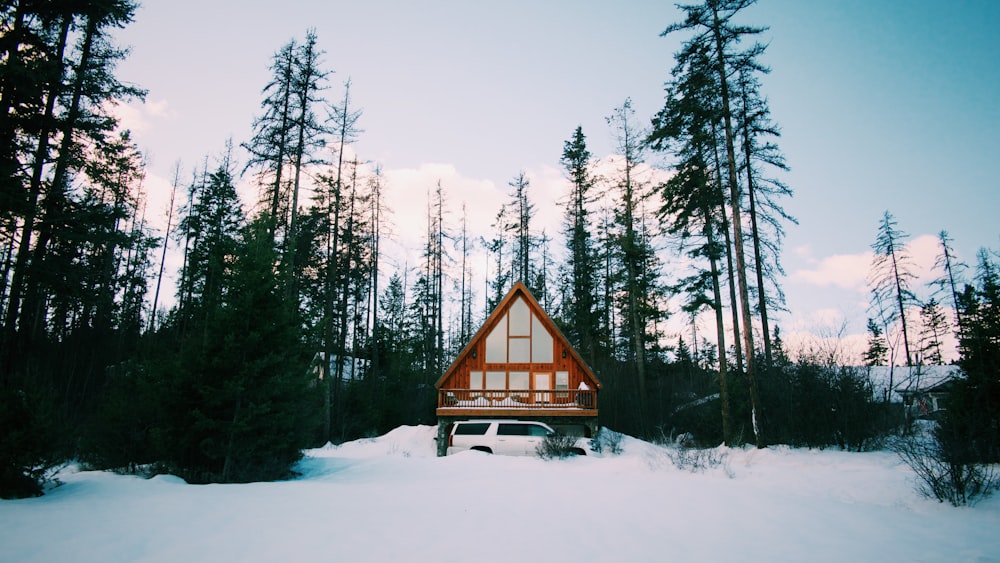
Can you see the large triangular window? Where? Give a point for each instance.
(519, 338)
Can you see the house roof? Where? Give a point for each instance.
(519, 289)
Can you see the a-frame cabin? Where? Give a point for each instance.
(518, 366)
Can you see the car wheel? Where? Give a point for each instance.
(481, 449)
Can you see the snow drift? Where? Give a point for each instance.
(391, 499)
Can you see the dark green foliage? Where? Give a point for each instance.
(581, 315)
(249, 416)
(877, 353)
(122, 434)
(27, 443)
(955, 463)
(970, 429)
(814, 405)
(934, 325)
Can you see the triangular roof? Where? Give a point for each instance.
(519, 289)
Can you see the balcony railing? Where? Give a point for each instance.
(585, 399)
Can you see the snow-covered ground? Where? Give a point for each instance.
(390, 499)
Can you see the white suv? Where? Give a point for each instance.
(510, 437)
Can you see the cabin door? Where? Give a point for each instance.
(543, 384)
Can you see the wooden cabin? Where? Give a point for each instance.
(518, 366)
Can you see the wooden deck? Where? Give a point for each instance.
(507, 402)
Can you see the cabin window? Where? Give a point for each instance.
(519, 380)
(475, 380)
(543, 382)
(520, 318)
(520, 350)
(562, 380)
(541, 343)
(496, 380)
(496, 343)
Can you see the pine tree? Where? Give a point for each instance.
(890, 278)
(760, 150)
(580, 310)
(692, 199)
(934, 325)
(716, 32)
(520, 226)
(970, 428)
(877, 352)
(637, 277)
(240, 389)
(951, 273)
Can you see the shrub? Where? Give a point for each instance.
(697, 460)
(607, 440)
(557, 446)
(942, 476)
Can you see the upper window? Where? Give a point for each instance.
(541, 343)
(496, 343)
(519, 337)
(520, 318)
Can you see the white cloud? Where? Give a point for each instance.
(847, 271)
(138, 117)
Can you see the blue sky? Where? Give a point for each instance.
(883, 105)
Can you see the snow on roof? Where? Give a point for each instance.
(911, 378)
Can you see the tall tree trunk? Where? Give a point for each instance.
(54, 203)
(166, 243)
(21, 261)
(720, 334)
(738, 232)
(734, 304)
(759, 264)
(899, 303)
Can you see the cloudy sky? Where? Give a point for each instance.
(887, 105)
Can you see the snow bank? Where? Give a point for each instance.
(390, 499)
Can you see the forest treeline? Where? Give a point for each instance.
(289, 328)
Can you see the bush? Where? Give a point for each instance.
(607, 440)
(697, 460)
(557, 446)
(941, 476)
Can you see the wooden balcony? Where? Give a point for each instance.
(515, 402)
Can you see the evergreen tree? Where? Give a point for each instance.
(951, 273)
(890, 278)
(211, 223)
(717, 35)
(970, 428)
(238, 405)
(877, 352)
(640, 295)
(692, 199)
(759, 151)
(580, 311)
(520, 227)
(934, 325)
